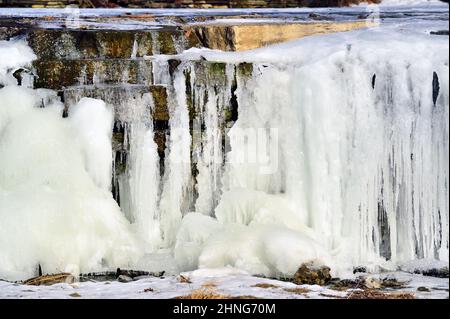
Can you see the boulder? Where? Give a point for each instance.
(372, 283)
(310, 274)
(124, 279)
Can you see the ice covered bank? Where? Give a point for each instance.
(331, 149)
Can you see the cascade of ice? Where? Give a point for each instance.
(175, 198)
(56, 207)
(339, 157)
(349, 146)
(139, 184)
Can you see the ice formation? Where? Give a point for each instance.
(337, 155)
(56, 208)
(361, 157)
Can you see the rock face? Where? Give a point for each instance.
(248, 37)
(309, 274)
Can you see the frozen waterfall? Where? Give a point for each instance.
(331, 149)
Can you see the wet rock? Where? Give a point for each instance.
(440, 32)
(137, 273)
(434, 272)
(173, 66)
(345, 284)
(392, 283)
(124, 279)
(364, 282)
(427, 267)
(84, 44)
(309, 274)
(161, 110)
(120, 274)
(245, 69)
(8, 32)
(58, 74)
(359, 269)
(166, 43)
(20, 73)
(437, 269)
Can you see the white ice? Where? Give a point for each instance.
(353, 171)
(56, 208)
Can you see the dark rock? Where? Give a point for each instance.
(166, 43)
(359, 269)
(7, 33)
(434, 272)
(124, 279)
(49, 44)
(58, 74)
(319, 17)
(436, 87)
(19, 73)
(119, 274)
(423, 289)
(173, 66)
(161, 109)
(345, 284)
(440, 32)
(137, 273)
(309, 274)
(392, 283)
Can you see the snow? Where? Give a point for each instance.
(56, 207)
(229, 282)
(13, 56)
(93, 121)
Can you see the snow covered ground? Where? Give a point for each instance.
(228, 282)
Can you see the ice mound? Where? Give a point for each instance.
(258, 246)
(56, 209)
